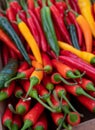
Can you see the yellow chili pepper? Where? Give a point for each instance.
(30, 39)
(85, 8)
(89, 57)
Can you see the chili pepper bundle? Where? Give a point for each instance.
(49, 28)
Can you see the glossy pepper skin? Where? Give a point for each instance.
(48, 28)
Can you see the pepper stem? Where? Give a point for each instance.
(90, 87)
(80, 91)
(46, 69)
(36, 3)
(44, 3)
(12, 109)
(14, 127)
(49, 2)
(27, 124)
(8, 124)
(57, 77)
(19, 76)
(34, 95)
(70, 74)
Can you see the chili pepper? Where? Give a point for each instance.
(59, 22)
(37, 10)
(13, 55)
(5, 55)
(87, 84)
(23, 66)
(34, 94)
(7, 92)
(42, 123)
(92, 94)
(21, 75)
(30, 4)
(80, 65)
(16, 123)
(40, 31)
(61, 92)
(89, 57)
(6, 26)
(72, 31)
(44, 94)
(32, 116)
(47, 83)
(87, 102)
(4, 37)
(7, 118)
(73, 118)
(66, 71)
(46, 63)
(49, 28)
(77, 90)
(29, 38)
(78, 29)
(85, 6)
(18, 91)
(56, 78)
(8, 72)
(61, 6)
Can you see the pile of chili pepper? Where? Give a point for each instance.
(47, 49)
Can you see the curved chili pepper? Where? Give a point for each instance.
(66, 71)
(7, 118)
(37, 10)
(30, 4)
(16, 123)
(32, 116)
(73, 118)
(7, 92)
(42, 123)
(59, 22)
(21, 75)
(77, 90)
(87, 102)
(57, 78)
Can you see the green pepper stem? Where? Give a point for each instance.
(18, 76)
(39, 127)
(14, 127)
(92, 61)
(62, 122)
(36, 3)
(8, 124)
(34, 95)
(46, 69)
(80, 91)
(70, 74)
(18, 18)
(3, 96)
(69, 127)
(58, 77)
(49, 2)
(90, 87)
(71, 106)
(27, 124)
(44, 2)
(50, 86)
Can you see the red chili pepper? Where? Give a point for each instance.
(47, 83)
(87, 84)
(21, 75)
(79, 32)
(61, 6)
(92, 94)
(13, 54)
(32, 116)
(16, 123)
(46, 63)
(76, 62)
(73, 118)
(37, 10)
(22, 107)
(30, 4)
(7, 118)
(56, 78)
(87, 102)
(7, 92)
(65, 71)
(31, 57)
(40, 2)
(59, 21)
(5, 55)
(41, 33)
(42, 123)
(23, 66)
(77, 90)
(44, 94)
(18, 91)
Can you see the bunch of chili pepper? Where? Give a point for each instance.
(47, 56)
